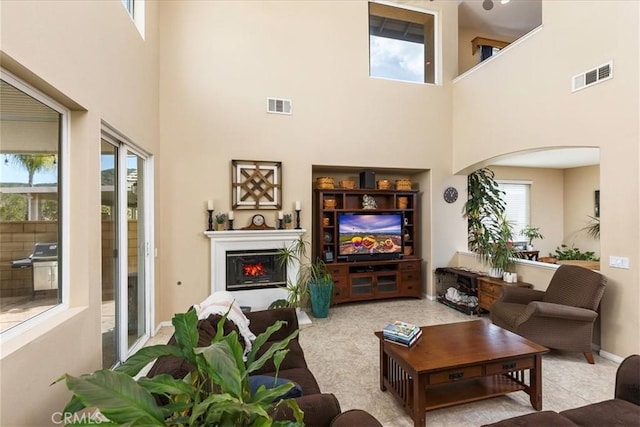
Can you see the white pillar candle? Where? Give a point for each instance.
(297, 205)
(280, 215)
(210, 205)
(230, 214)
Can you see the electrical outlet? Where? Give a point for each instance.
(618, 262)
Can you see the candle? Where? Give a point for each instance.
(280, 215)
(210, 205)
(230, 214)
(297, 205)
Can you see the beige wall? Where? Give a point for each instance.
(215, 78)
(580, 185)
(532, 107)
(547, 202)
(90, 57)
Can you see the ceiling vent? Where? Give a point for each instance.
(591, 77)
(279, 106)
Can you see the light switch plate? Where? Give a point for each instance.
(618, 262)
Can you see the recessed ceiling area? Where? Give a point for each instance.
(511, 20)
(562, 158)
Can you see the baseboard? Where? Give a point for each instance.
(161, 325)
(611, 356)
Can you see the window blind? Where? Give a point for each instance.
(517, 200)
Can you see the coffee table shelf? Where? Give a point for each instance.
(470, 391)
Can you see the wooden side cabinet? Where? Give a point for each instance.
(489, 289)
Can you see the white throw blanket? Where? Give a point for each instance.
(219, 303)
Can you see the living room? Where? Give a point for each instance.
(192, 92)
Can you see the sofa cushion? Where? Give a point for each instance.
(535, 419)
(301, 376)
(319, 409)
(355, 417)
(614, 412)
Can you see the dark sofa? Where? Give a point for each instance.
(621, 411)
(320, 409)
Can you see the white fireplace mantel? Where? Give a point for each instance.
(238, 240)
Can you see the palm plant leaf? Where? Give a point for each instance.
(145, 355)
(252, 364)
(166, 384)
(220, 364)
(267, 395)
(118, 396)
(186, 333)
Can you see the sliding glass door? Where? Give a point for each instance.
(125, 249)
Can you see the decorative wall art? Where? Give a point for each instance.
(256, 184)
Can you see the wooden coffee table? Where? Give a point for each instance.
(459, 363)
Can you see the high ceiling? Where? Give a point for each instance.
(511, 20)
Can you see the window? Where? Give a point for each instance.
(517, 201)
(135, 9)
(128, 4)
(401, 44)
(34, 139)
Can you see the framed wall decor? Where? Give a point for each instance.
(256, 184)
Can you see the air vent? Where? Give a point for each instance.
(278, 106)
(591, 77)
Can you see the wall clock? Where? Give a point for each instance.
(450, 195)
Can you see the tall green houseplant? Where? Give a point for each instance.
(483, 210)
(502, 250)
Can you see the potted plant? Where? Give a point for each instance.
(216, 392)
(531, 233)
(313, 278)
(484, 209)
(502, 250)
(220, 219)
(574, 256)
(288, 220)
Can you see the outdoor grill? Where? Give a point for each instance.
(44, 262)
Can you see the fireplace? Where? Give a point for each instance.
(258, 294)
(254, 269)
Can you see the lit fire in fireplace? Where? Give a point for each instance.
(254, 270)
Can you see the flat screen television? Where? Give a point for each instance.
(369, 235)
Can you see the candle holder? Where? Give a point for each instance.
(280, 224)
(298, 219)
(230, 225)
(210, 219)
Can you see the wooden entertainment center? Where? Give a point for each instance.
(357, 279)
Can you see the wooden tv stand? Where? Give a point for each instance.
(359, 280)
